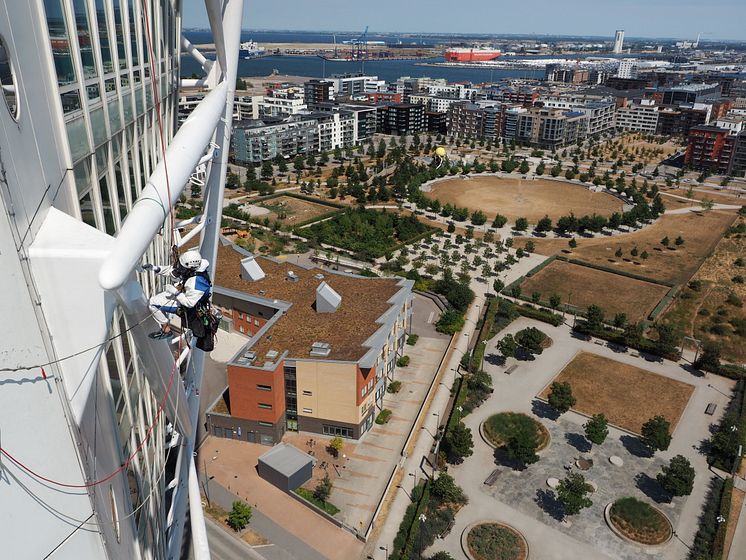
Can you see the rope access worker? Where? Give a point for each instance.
(190, 293)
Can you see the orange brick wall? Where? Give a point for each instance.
(245, 397)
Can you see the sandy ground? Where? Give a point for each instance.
(531, 199)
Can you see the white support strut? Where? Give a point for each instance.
(153, 205)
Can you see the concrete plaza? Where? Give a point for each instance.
(523, 500)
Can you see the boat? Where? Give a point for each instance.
(475, 54)
(250, 49)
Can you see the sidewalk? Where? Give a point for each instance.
(384, 536)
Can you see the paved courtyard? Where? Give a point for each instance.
(517, 498)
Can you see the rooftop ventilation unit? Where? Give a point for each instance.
(318, 276)
(250, 355)
(320, 349)
(292, 276)
(327, 300)
(272, 354)
(250, 269)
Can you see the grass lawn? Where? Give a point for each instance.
(582, 286)
(307, 495)
(500, 427)
(640, 521)
(515, 197)
(627, 395)
(292, 211)
(701, 232)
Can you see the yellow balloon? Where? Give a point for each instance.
(440, 152)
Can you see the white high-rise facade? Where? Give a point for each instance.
(618, 41)
(627, 68)
(98, 421)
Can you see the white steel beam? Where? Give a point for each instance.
(200, 546)
(204, 62)
(154, 204)
(215, 13)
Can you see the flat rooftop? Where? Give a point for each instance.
(364, 301)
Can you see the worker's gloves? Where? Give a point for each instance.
(148, 266)
(173, 290)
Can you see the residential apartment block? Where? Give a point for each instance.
(323, 348)
(401, 118)
(637, 116)
(549, 128)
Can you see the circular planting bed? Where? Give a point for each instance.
(499, 428)
(638, 521)
(490, 540)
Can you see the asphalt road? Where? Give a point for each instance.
(224, 546)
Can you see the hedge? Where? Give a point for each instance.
(704, 540)
(541, 266)
(664, 302)
(540, 315)
(732, 371)
(615, 271)
(405, 537)
(718, 545)
(311, 199)
(617, 337)
(305, 223)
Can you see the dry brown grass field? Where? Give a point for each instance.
(629, 396)
(582, 286)
(701, 232)
(531, 199)
(294, 209)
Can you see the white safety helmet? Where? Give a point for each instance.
(191, 259)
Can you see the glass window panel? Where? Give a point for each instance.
(106, 204)
(110, 85)
(120, 190)
(102, 161)
(60, 42)
(133, 34)
(77, 138)
(98, 126)
(86, 210)
(121, 50)
(82, 174)
(93, 91)
(139, 102)
(103, 34)
(6, 79)
(70, 100)
(115, 120)
(127, 103)
(85, 42)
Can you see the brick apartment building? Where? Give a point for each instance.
(710, 148)
(323, 347)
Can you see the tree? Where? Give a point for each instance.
(478, 218)
(498, 285)
(459, 442)
(523, 169)
(554, 301)
(239, 516)
(522, 445)
(335, 445)
(618, 253)
(665, 241)
(323, 489)
(620, 319)
(596, 429)
(442, 555)
(709, 359)
(560, 397)
(445, 488)
(677, 478)
(507, 346)
(571, 493)
(282, 166)
(521, 224)
(594, 316)
(544, 224)
(656, 433)
(572, 243)
(679, 241)
(267, 170)
(499, 221)
(531, 338)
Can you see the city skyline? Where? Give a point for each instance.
(639, 19)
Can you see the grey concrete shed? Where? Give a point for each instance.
(286, 466)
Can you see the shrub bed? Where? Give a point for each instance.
(495, 541)
(639, 521)
(383, 416)
(307, 495)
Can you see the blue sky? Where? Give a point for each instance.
(724, 19)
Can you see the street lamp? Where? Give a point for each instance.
(437, 443)
(481, 362)
(422, 519)
(385, 548)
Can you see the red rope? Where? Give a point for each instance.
(161, 406)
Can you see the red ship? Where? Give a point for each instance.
(471, 55)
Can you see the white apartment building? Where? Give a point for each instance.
(286, 101)
(639, 116)
(458, 91)
(433, 103)
(100, 419)
(598, 111)
(627, 68)
(351, 84)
